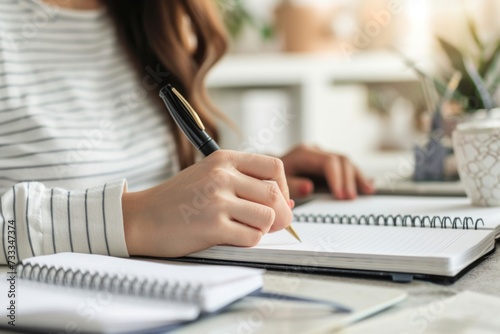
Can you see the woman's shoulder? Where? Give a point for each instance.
(20, 21)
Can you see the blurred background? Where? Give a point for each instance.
(344, 74)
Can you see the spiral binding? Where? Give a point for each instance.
(392, 220)
(170, 290)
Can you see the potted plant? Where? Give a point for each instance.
(466, 89)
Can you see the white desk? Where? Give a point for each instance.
(484, 278)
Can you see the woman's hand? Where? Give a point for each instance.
(342, 177)
(219, 200)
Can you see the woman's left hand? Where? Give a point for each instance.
(343, 178)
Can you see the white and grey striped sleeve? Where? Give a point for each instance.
(53, 220)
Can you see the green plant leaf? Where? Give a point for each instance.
(438, 84)
(453, 54)
(466, 86)
(481, 89)
(488, 63)
(236, 17)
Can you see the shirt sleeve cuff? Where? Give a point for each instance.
(113, 217)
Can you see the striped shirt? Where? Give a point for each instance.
(77, 125)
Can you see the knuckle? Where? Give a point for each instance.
(220, 175)
(278, 165)
(274, 193)
(266, 213)
(219, 200)
(219, 220)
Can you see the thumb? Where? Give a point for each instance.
(300, 187)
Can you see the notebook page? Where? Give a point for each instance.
(452, 207)
(55, 307)
(400, 249)
(323, 238)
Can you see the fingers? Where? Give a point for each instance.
(263, 168)
(300, 187)
(343, 178)
(267, 194)
(333, 174)
(349, 178)
(238, 234)
(364, 185)
(252, 214)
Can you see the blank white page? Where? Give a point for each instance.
(394, 241)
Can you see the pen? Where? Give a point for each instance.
(191, 125)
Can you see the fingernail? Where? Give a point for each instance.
(305, 189)
(291, 203)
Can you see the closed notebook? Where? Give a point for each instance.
(94, 293)
(400, 237)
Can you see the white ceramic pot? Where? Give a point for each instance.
(477, 151)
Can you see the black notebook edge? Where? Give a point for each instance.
(398, 277)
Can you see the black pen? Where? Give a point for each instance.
(187, 119)
(190, 123)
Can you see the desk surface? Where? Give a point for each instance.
(484, 278)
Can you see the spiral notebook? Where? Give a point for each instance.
(402, 238)
(102, 294)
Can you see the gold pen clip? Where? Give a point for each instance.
(190, 109)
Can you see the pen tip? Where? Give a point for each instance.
(293, 233)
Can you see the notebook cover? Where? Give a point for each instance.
(394, 276)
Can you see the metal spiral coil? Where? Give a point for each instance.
(392, 220)
(167, 290)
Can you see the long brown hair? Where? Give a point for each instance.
(153, 32)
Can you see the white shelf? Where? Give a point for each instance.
(314, 80)
(291, 69)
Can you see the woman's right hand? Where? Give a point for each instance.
(220, 200)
